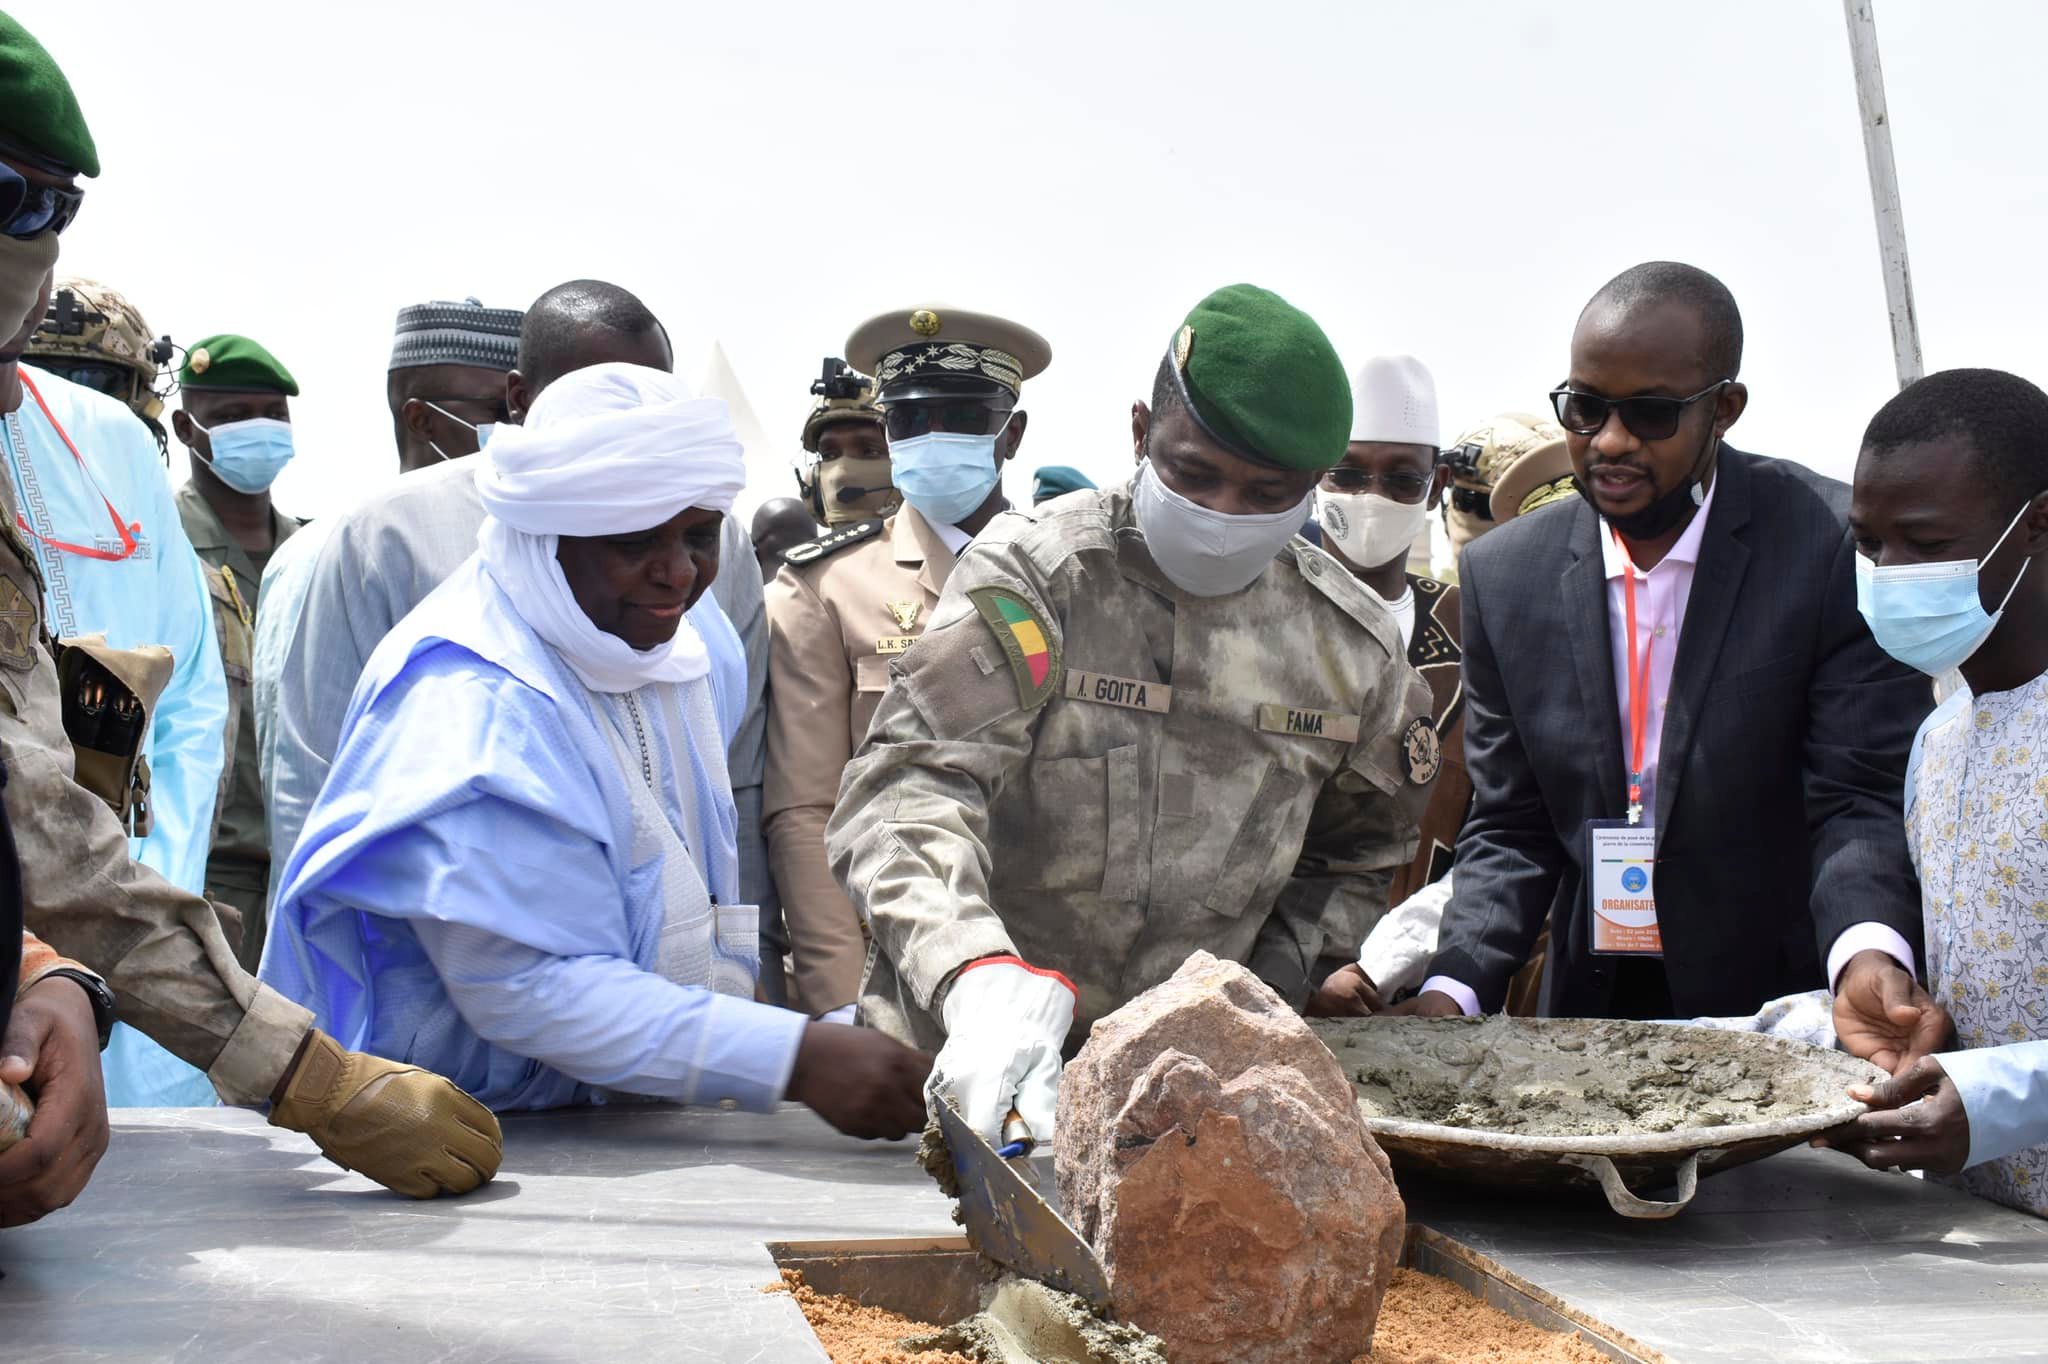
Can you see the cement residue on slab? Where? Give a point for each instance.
(1574, 1078)
(1025, 1322)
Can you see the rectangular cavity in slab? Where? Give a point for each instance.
(939, 1281)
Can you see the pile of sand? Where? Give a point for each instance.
(853, 1334)
(1427, 1320)
(1424, 1320)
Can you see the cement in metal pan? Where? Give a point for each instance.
(1553, 1103)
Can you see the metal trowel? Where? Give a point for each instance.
(1009, 1223)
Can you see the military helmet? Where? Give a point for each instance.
(93, 336)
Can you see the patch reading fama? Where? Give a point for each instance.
(1421, 750)
(1033, 652)
(1130, 692)
(1313, 724)
(17, 627)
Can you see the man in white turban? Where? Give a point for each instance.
(523, 862)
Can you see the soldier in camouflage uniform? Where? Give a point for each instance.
(160, 948)
(1141, 722)
(235, 529)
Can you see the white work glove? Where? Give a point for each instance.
(1005, 1025)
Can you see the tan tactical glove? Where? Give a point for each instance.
(407, 1128)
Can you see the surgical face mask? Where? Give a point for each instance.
(1931, 616)
(946, 475)
(1208, 553)
(853, 488)
(483, 430)
(1371, 530)
(23, 264)
(248, 455)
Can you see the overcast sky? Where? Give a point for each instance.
(1450, 179)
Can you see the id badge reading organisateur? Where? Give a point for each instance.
(1621, 890)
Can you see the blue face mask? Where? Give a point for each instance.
(248, 455)
(483, 430)
(1932, 616)
(946, 475)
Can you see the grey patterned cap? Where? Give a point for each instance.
(465, 333)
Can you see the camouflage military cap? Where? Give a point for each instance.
(39, 115)
(1480, 456)
(88, 320)
(1263, 380)
(833, 411)
(1532, 472)
(235, 362)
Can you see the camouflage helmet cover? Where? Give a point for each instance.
(98, 323)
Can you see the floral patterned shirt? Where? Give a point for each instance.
(1977, 823)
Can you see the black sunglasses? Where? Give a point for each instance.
(28, 210)
(1400, 486)
(1648, 418)
(909, 419)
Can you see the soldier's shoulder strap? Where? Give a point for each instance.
(811, 551)
(1332, 580)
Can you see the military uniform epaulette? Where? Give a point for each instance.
(1336, 582)
(810, 551)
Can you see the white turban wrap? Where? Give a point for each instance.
(608, 450)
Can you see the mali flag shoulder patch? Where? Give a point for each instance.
(1033, 653)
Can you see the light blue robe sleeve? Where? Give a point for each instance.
(188, 741)
(2005, 1095)
(504, 879)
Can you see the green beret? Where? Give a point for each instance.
(228, 361)
(1055, 479)
(38, 113)
(1262, 379)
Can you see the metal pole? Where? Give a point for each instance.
(1884, 190)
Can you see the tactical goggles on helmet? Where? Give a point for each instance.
(1647, 417)
(1473, 502)
(29, 210)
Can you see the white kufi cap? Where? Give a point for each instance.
(1394, 399)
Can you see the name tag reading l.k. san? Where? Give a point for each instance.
(1128, 692)
(895, 644)
(1312, 724)
(1623, 859)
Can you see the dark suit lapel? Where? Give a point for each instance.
(1585, 614)
(1716, 581)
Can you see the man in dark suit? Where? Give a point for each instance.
(1752, 720)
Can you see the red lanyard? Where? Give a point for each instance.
(1638, 686)
(127, 533)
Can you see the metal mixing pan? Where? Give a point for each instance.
(1545, 1103)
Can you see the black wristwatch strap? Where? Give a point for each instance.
(96, 989)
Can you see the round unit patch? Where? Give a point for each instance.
(1422, 750)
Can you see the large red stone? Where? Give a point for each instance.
(1210, 1150)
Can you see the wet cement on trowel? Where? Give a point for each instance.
(1611, 1077)
(1022, 1321)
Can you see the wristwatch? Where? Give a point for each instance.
(96, 990)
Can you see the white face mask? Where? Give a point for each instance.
(1371, 530)
(1208, 553)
